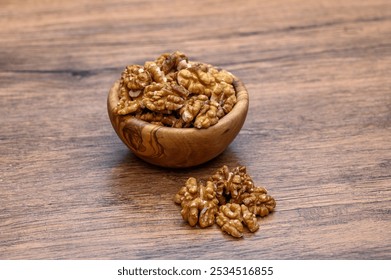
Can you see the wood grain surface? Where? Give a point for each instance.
(317, 134)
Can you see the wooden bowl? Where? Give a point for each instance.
(178, 147)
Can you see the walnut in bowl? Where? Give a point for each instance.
(176, 113)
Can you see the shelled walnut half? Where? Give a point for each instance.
(228, 197)
(198, 201)
(197, 93)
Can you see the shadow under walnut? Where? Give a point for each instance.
(178, 147)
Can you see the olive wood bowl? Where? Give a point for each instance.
(178, 147)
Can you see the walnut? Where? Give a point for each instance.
(258, 201)
(232, 215)
(225, 79)
(157, 75)
(195, 94)
(229, 219)
(172, 77)
(161, 60)
(195, 80)
(135, 78)
(219, 179)
(127, 104)
(199, 203)
(192, 107)
(207, 116)
(222, 75)
(180, 90)
(201, 110)
(232, 184)
(160, 97)
(172, 62)
(225, 95)
(160, 119)
(249, 219)
(229, 103)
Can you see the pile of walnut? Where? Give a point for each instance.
(228, 198)
(171, 91)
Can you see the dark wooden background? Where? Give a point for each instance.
(318, 132)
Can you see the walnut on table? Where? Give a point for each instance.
(198, 201)
(258, 201)
(249, 219)
(230, 219)
(232, 183)
(232, 216)
(234, 199)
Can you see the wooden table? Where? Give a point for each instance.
(317, 135)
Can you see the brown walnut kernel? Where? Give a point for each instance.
(198, 201)
(207, 116)
(232, 184)
(135, 78)
(197, 93)
(235, 200)
(197, 81)
(161, 119)
(229, 219)
(192, 107)
(249, 219)
(258, 201)
(232, 216)
(160, 97)
(155, 72)
(126, 104)
(172, 62)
